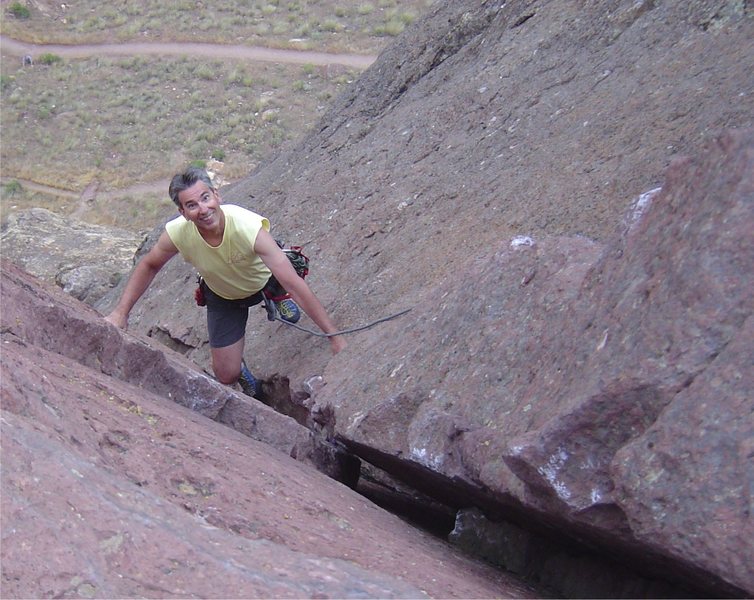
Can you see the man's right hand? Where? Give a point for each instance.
(141, 278)
(117, 319)
(337, 343)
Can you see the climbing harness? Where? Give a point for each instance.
(299, 260)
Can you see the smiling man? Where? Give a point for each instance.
(239, 262)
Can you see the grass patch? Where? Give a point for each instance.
(124, 121)
(326, 25)
(19, 11)
(12, 188)
(50, 59)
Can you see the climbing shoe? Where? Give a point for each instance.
(247, 381)
(288, 310)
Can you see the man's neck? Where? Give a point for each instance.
(213, 236)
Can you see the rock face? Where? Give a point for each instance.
(85, 260)
(486, 120)
(112, 489)
(608, 388)
(569, 366)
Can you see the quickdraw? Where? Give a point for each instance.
(299, 260)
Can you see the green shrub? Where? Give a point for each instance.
(48, 58)
(239, 77)
(12, 187)
(391, 28)
(331, 26)
(201, 164)
(218, 154)
(280, 27)
(204, 72)
(406, 17)
(19, 11)
(5, 81)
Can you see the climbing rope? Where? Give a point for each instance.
(273, 315)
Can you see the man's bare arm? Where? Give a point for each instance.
(276, 260)
(141, 278)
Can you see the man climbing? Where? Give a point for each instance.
(239, 263)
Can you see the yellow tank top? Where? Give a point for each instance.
(232, 270)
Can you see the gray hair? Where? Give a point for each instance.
(185, 180)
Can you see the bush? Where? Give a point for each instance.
(200, 164)
(19, 11)
(391, 28)
(12, 187)
(218, 154)
(49, 59)
(5, 82)
(239, 77)
(331, 26)
(204, 72)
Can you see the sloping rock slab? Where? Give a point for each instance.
(113, 490)
(549, 357)
(86, 260)
(73, 528)
(46, 317)
(483, 121)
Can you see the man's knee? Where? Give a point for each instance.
(226, 362)
(226, 373)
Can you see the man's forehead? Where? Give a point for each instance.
(196, 190)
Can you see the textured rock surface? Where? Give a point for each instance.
(112, 489)
(56, 322)
(573, 351)
(488, 121)
(86, 260)
(701, 445)
(686, 483)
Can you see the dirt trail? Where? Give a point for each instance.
(254, 53)
(88, 194)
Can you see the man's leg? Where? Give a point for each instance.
(226, 362)
(226, 325)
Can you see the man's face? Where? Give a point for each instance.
(201, 205)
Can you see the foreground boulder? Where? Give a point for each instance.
(118, 481)
(85, 260)
(607, 390)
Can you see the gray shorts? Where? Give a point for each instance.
(226, 319)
